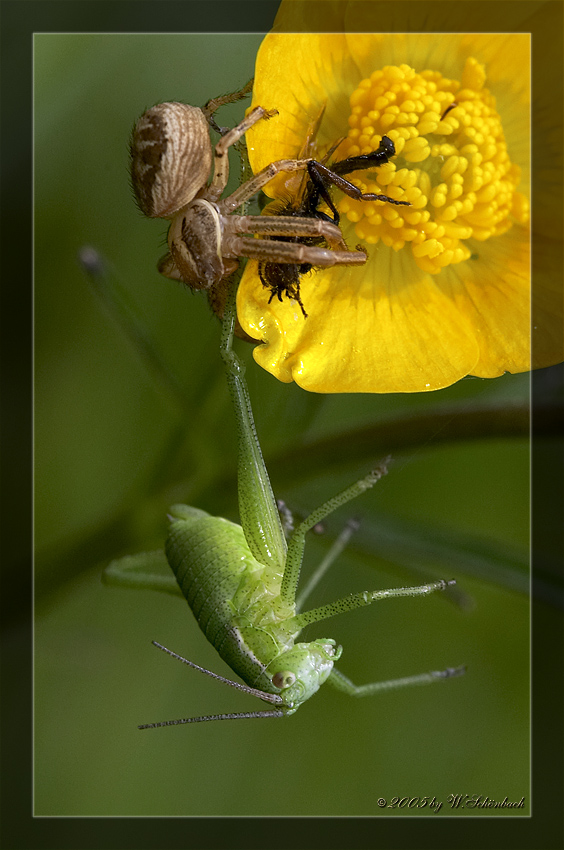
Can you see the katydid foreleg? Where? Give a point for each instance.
(328, 560)
(342, 683)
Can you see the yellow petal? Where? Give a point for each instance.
(493, 293)
(417, 338)
(455, 300)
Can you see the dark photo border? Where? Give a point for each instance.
(19, 829)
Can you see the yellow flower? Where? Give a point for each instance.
(446, 289)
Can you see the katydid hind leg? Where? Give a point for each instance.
(257, 507)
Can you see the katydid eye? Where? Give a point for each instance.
(283, 679)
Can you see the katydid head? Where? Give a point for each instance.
(299, 672)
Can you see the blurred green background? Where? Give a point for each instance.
(114, 447)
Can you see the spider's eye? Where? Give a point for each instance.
(283, 679)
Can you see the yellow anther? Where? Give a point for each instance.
(449, 213)
(455, 173)
(488, 193)
(450, 167)
(429, 248)
(474, 75)
(520, 208)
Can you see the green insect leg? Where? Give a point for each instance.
(359, 600)
(329, 559)
(297, 541)
(257, 507)
(146, 571)
(341, 683)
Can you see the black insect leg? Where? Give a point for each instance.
(323, 177)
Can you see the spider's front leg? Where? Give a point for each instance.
(216, 102)
(295, 253)
(221, 159)
(252, 186)
(291, 226)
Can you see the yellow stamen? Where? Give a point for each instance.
(452, 164)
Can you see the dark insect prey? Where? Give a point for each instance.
(284, 278)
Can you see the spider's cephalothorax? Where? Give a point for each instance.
(171, 163)
(284, 279)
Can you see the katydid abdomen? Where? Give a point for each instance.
(236, 601)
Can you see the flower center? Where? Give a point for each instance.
(452, 164)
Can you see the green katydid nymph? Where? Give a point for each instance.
(241, 581)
